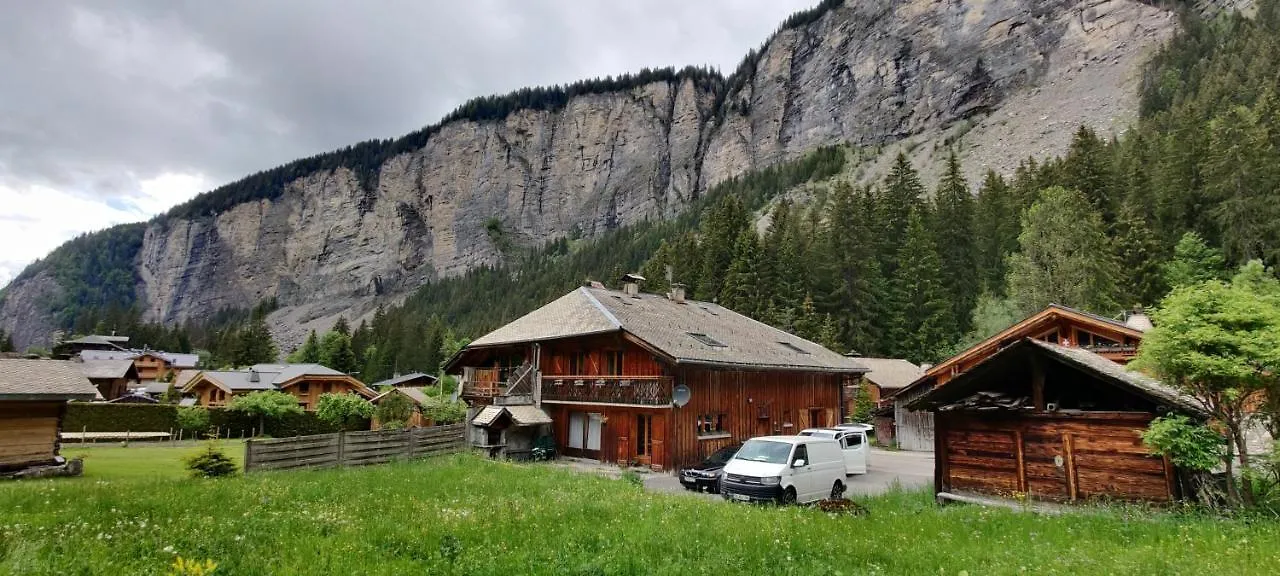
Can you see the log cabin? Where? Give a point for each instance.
(33, 400)
(647, 379)
(305, 381)
(112, 378)
(1054, 423)
(1112, 339)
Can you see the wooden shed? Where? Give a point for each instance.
(33, 400)
(1052, 422)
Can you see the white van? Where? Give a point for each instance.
(853, 444)
(785, 469)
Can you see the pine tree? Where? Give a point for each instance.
(336, 353)
(997, 222)
(953, 219)
(1193, 262)
(6, 341)
(1065, 258)
(855, 295)
(923, 319)
(1142, 283)
(897, 198)
(1088, 168)
(741, 290)
(309, 353)
(1240, 180)
(721, 229)
(780, 270)
(342, 327)
(253, 344)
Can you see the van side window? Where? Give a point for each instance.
(853, 440)
(802, 453)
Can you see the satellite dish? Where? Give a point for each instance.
(680, 395)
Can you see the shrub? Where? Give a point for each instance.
(210, 463)
(102, 417)
(442, 411)
(394, 408)
(1190, 446)
(193, 418)
(267, 405)
(346, 411)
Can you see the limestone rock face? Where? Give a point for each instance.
(866, 73)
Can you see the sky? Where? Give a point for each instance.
(112, 112)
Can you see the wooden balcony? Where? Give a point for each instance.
(495, 382)
(638, 390)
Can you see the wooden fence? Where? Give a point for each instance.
(352, 448)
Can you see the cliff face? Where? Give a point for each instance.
(867, 73)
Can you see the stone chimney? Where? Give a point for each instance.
(1138, 320)
(631, 285)
(677, 293)
(253, 375)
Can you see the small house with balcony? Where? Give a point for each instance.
(1114, 340)
(646, 379)
(305, 381)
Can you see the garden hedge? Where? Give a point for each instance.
(101, 417)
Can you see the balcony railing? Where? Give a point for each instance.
(483, 382)
(642, 390)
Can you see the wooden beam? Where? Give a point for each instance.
(1022, 470)
(1037, 383)
(940, 481)
(1070, 465)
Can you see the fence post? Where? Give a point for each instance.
(341, 449)
(248, 455)
(411, 438)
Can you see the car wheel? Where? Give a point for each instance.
(788, 496)
(837, 490)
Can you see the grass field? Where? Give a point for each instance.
(140, 460)
(464, 515)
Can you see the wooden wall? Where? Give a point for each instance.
(1053, 456)
(316, 387)
(617, 434)
(636, 361)
(29, 433)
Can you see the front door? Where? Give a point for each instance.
(584, 434)
(644, 439)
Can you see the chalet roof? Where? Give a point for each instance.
(890, 373)
(157, 387)
(98, 339)
(178, 360)
(398, 380)
(412, 392)
(184, 377)
(107, 369)
(688, 332)
(487, 415)
(1084, 360)
(286, 372)
(239, 379)
(523, 415)
(269, 376)
(43, 380)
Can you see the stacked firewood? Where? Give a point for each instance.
(984, 401)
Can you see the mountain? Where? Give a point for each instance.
(1000, 80)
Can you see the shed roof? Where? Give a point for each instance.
(689, 332)
(398, 380)
(526, 415)
(890, 373)
(43, 380)
(487, 416)
(107, 369)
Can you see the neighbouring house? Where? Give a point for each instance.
(134, 398)
(1052, 422)
(887, 375)
(67, 349)
(155, 368)
(414, 380)
(112, 378)
(647, 379)
(415, 395)
(1114, 340)
(305, 381)
(33, 400)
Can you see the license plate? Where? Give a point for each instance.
(741, 497)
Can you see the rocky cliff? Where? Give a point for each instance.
(1004, 78)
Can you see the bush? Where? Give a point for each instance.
(442, 411)
(193, 418)
(211, 463)
(394, 408)
(1189, 446)
(346, 411)
(101, 417)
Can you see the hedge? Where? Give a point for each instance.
(100, 417)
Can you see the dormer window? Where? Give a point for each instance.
(708, 340)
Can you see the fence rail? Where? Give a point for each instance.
(352, 448)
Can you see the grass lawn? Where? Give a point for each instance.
(110, 461)
(464, 515)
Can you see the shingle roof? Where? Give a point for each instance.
(106, 369)
(270, 376)
(412, 392)
(400, 379)
(183, 377)
(239, 379)
(1103, 367)
(526, 415)
(90, 355)
(44, 380)
(679, 330)
(487, 416)
(286, 372)
(890, 373)
(178, 360)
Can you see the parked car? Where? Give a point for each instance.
(706, 475)
(853, 445)
(785, 470)
(855, 426)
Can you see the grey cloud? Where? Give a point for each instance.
(101, 95)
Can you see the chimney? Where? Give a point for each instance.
(253, 375)
(631, 284)
(595, 284)
(677, 293)
(1138, 320)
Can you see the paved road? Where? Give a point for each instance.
(887, 468)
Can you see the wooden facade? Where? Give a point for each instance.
(308, 389)
(29, 433)
(112, 388)
(152, 366)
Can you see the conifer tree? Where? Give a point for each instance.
(997, 222)
(309, 353)
(741, 289)
(1088, 168)
(1240, 180)
(954, 234)
(1193, 262)
(6, 341)
(897, 198)
(922, 316)
(1065, 257)
(856, 286)
(336, 352)
(721, 229)
(253, 344)
(1142, 282)
(782, 277)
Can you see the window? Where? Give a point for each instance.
(304, 388)
(1090, 339)
(577, 363)
(793, 347)
(709, 341)
(644, 435)
(853, 440)
(712, 424)
(613, 363)
(801, 453)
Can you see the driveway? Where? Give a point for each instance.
(909, 470)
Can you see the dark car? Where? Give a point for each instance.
(706, 475)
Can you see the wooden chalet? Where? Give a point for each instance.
(1114, 340)
(1052, 422)
(155, 368)
(648, 379)
(112, 378)
(305, 381)
(33, 400)
(886, 376)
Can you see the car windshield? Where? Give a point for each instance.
(722, 455)
(764, 451)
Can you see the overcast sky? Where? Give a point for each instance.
(112, 112)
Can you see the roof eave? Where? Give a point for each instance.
(26, 397)
(781, 367)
